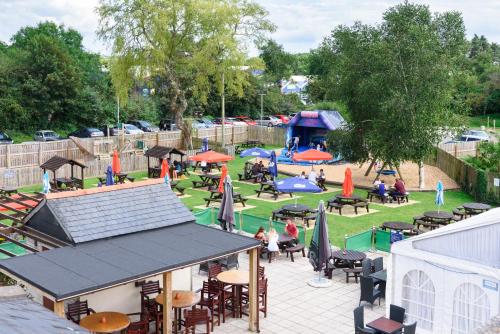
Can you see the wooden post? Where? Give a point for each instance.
(167, 302)
(59, 309)
(253, 321)
(370, 167)
(40, 153)
(7, 155)
(232, 136)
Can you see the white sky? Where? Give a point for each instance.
(302, 24)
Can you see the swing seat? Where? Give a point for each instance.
(387, 172)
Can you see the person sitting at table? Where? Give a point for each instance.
(399, 189)
(261, 234)
(302, 175)
(272, 238)
(376, 184)
(312, 176)
(291, 229)
(381, 188)
(322, 175)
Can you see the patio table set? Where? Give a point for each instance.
(339, 201)
(295, 211)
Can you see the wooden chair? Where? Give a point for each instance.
(195, 317)
(262, 295)
(149, 304)
(77, 309)
(214, 269)
(139, 327)
(211, 299)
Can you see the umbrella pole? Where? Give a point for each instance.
(241, 223)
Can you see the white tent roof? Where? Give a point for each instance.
(473, 243)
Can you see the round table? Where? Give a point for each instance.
(180, 299)
(236, 278)
(438, 215)
(397, 226)
(105, 322)
(296, 208)
(476, 207)
(284, 238)
(348, 199)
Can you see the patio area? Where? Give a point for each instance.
(296, 307)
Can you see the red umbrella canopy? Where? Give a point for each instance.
(312, 155)
(115, 164)
(347, 187)
(222, 178)
(211, 157)
(164, 168)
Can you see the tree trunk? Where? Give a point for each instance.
(421, 175)
(178, 105)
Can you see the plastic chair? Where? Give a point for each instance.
(410, 329)
(378, 264)
(397, 313)
(366, 266)
(359, 322)
(368, 291)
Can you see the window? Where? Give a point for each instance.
(471, 308)
(418, 298)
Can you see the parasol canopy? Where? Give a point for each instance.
(211, 157)
(320, 250)
(109, 176)
(295, 185)
(312, 155)
(273, 165)
(256, 152)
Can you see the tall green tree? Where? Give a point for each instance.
(186, 46)
(279, 63)
(397, 82)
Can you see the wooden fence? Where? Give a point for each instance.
(268, 135)
(460, 149)
(19, 163)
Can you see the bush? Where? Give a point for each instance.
(488, 157)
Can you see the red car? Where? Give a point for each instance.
(284, 119)
(246, 119)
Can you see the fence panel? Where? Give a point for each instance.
(361, 242)
(268, 135)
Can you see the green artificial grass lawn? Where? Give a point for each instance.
(478, 121)
(338, 225)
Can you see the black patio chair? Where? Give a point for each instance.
(359, 322)
(410, 329)
(396, 313)
(368, 291)
(378, 264)
(366, 267)
(230, 262)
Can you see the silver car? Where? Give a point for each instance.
(46, 135)
(475, 135)
(268, 121)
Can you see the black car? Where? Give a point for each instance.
(168, 125)
(144, 126)
(5, 139)
(87, 133)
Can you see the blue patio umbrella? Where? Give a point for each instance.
(296, 185)
(256, 152)
(109, 176)
(273, 165)
(204, 145)
(439, 194)
(46, 183)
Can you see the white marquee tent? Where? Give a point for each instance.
(448, 279)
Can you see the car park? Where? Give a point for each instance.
(475, 135)
(144, 126)
(5, 139)
(218, 121)
(237, 122)
(87, 133)
(246, 119)
(131, 129)
(208, 122)
(168, 125)
(284, 119)
(268, 121)
(46, 135)
(198, 124)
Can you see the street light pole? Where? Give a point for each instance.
(223, 111)
(261, 114)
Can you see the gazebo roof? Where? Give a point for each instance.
(57, 162)
(161, 151)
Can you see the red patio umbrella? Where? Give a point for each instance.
(347, 187)
(115, 164)
(222, 178)
(312, 155)
(211, 157)
(164, 168)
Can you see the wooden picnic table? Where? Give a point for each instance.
(207, 180)
(347, 258)
(475, 208)
(439, 217)
(120, 177)
(105, 322)
(349, 200)
(216, 196)
(208, 168)
(397, 226)
(296, 208)
(268, 187)
(8, 190)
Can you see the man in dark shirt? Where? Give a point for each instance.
(399, 187)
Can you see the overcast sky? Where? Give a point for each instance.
(302, 24)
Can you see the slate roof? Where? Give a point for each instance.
(20, 315)
(57, 162)
(76, 270)
(162, 151)
(98, 213)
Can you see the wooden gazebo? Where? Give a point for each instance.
(160, 153)
(56, 162)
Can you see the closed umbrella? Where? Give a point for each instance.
(204, 145)
(109, 176)
(46, 183)
(222, 178)
(256, 152)
(320, 249)
(226, 210)
(347, 186)
(164, 168)
(439, 194)
(116, 163)
(273, 165)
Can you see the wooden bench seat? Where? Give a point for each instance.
(295, 249)
(199, 184)
(382, 198)
(352, 272)
(361, 204)
(334, 205)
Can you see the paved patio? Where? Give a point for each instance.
(295, 307)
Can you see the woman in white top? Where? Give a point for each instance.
(272, 239)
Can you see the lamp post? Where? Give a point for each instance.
(261, 114)
(223, 111)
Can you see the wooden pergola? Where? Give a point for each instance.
(56, 162)
(160, 153)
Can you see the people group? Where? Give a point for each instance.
(398, 189)
(270, 240)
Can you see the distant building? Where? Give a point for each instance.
(297, 84)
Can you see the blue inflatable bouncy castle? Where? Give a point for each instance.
(311, 128)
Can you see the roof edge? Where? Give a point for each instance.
(91, 191)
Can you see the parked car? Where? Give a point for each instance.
(46, 135)
(218, 121)
(87, 133)
(168, 125)
(246, 119)
(208, 122)
(475, 135)
(284, 119)
(268, 121)
(5, 139)
(113, 130)
(236, 121)
(199, 124)
(144, 126)
(131, 129)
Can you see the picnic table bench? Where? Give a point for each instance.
(175, 186)
(208, 168)
(269, 188)
(207, 180)
(295, 249)
(216, 196)
(249, 143)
